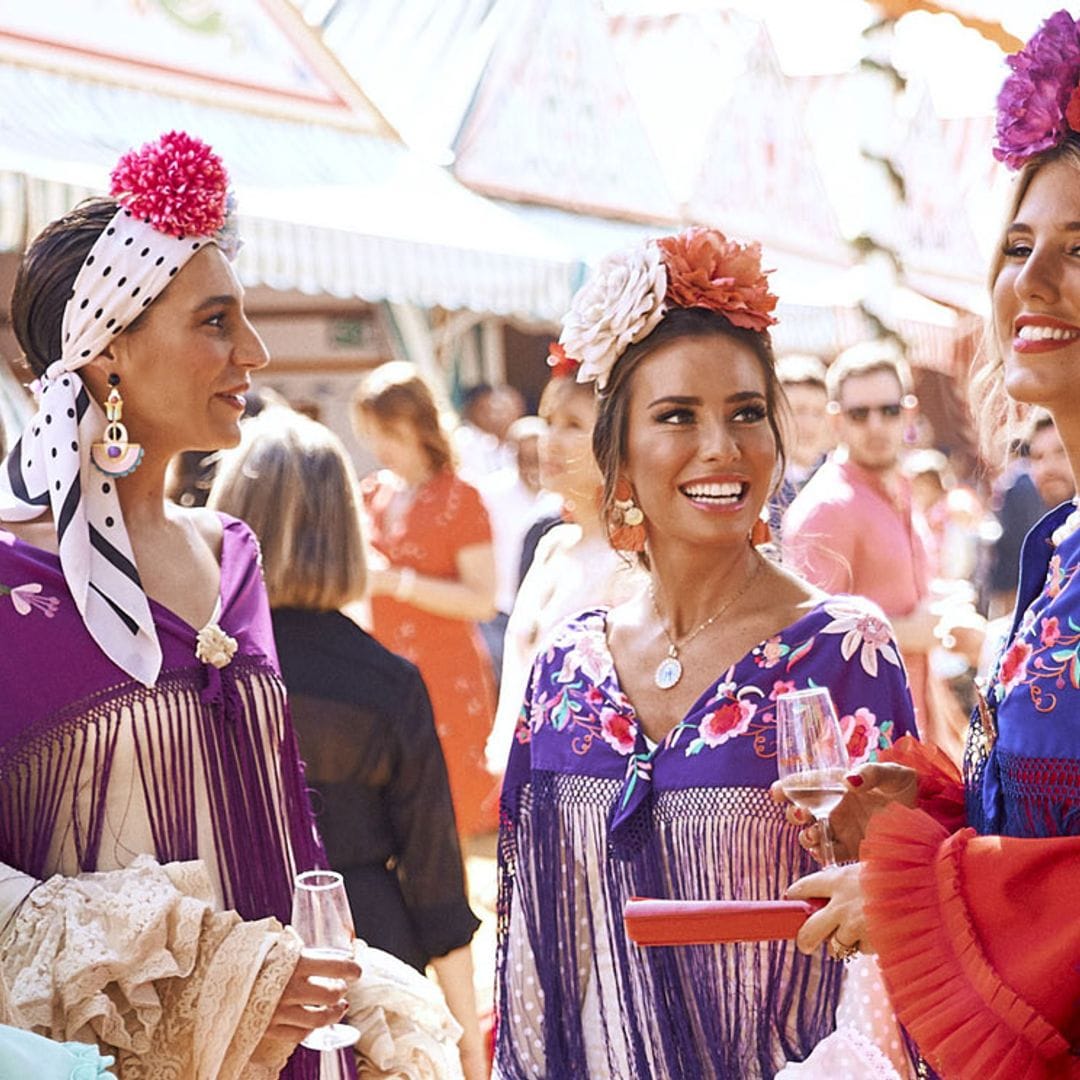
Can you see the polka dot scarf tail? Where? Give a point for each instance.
(49, 468)
(128, 267)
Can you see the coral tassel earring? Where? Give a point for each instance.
(627, 525)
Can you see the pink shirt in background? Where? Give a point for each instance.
(845, 533)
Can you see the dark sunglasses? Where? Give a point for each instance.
(861, 413)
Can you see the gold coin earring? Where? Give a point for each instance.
(116, 454)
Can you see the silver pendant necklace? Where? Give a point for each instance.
(669, 670)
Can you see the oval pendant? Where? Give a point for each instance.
(668, 673)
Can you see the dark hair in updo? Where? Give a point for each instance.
(613, 402)
(46, 276)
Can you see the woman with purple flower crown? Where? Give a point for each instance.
(966, 888)
(646, 743)
(153, 811)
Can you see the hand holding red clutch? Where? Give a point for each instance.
(712, 922)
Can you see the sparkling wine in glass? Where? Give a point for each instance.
(322, 918)
(811, 757)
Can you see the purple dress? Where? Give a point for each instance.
(592, 815)
(210, 770)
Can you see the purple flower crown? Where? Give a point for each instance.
(1038, 107)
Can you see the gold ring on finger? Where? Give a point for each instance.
(839, 951)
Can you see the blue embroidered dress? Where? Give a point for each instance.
(975, 922)
(1026, 780)
(592, 815)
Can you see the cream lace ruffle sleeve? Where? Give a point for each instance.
(138, 961)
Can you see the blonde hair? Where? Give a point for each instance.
(291, 480)
(999, 419)
(396, 392)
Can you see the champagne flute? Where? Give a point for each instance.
(811, 757)
(322, 918)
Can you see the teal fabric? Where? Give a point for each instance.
(24, 1055)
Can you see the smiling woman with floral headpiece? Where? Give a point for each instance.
(646, 743)
(966, 888)
(149, 776)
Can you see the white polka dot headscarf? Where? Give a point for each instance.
(173, 201)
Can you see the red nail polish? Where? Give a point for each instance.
(854, 780)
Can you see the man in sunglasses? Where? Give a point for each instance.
(852, 528)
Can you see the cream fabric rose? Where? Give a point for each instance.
(619, 305)
(214, 646)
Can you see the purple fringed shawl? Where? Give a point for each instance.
(63, 705)
(592, 814)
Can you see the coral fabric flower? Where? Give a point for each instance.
(1051, 631)
(1014, 664)
(730, 719)
(1035, 106)
(618, 731)
(619, 305)
(707, 270)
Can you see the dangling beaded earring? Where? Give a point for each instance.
(627, 532)
(115, 456)
(761, 533)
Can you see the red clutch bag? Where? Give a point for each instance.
(713, 922)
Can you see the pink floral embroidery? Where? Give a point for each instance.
(1014, 664)
(1051, 631)
(726, 722)
(781, 686)
(861, 735)
(618, 731)
(27, 598)
(863, 632)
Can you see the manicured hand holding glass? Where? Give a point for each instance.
(313, 998)
(323, 919)
(811, 757)
(869, 788)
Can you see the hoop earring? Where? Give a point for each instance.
(627, 523)
(115, 455)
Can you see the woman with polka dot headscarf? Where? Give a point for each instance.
(153, 812)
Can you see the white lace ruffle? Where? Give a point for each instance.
(406, 1030)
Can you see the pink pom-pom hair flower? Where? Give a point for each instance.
(1038, 106)
(177, 184)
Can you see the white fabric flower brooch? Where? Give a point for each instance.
(214, 646)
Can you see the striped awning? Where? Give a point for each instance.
(323, 209)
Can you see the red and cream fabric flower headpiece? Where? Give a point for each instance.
(629, 292)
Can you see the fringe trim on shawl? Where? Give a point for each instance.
(967, 1024)
(700, 1011)
(233, 727)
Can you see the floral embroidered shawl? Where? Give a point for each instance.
(591, 815)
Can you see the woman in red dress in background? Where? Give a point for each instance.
(438, 578)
